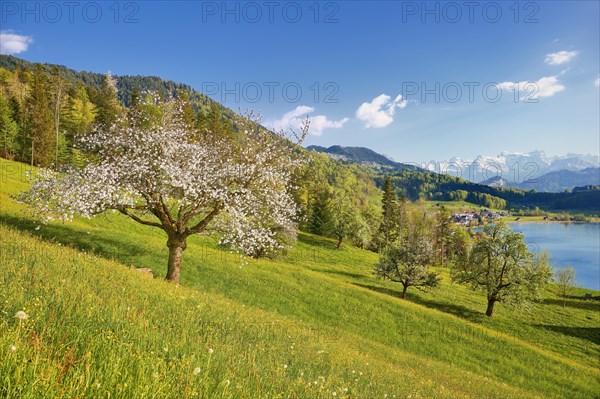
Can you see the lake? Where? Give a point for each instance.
(568, 244)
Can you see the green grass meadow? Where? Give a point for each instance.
(314, 323)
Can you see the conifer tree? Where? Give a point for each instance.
(8, 129)
(107, 102)
(320, 215)
(389, 204)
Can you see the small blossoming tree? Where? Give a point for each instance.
(168, 176)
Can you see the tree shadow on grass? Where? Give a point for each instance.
(456, 310)
(345, 274)
(579, 304)
(70, 237)
(591, 334)
(317, 242)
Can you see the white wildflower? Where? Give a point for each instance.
(21, 315)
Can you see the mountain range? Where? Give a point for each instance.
(521, 168)
(364, 156)
(524, 171)
(553, 182)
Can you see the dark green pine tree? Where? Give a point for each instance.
(320, 215)
(107, 102)
(135, 97)
(389, 224)
(8, 129)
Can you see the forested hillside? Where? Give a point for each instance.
(416, 183)
(127, 86)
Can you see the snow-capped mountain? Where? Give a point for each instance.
(512, 167)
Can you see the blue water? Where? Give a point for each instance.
(568, 244)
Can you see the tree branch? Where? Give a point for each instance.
(204, 222)
(140, 220)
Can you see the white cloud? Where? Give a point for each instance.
(543, 87)
(295, 118)
(597, 82)
(561, 57)
(12, 43)
(380, 111)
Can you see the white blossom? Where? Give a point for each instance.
(159, 176)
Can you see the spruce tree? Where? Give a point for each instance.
(389, 204)
(8, 129)
(107, 102)
(320, 214)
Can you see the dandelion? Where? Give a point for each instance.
(334, 393)
(196, 371)
(210, 351)
(13, 348)
(21, 315)
(285, 366)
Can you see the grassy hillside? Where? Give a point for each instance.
(308, 325)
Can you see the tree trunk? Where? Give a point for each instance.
(490, 307)
(339, 243)
(176, 247)
(404, 288)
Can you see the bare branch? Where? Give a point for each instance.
(140, 220)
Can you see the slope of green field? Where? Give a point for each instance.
(312, 324)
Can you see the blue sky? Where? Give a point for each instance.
(384, 75)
